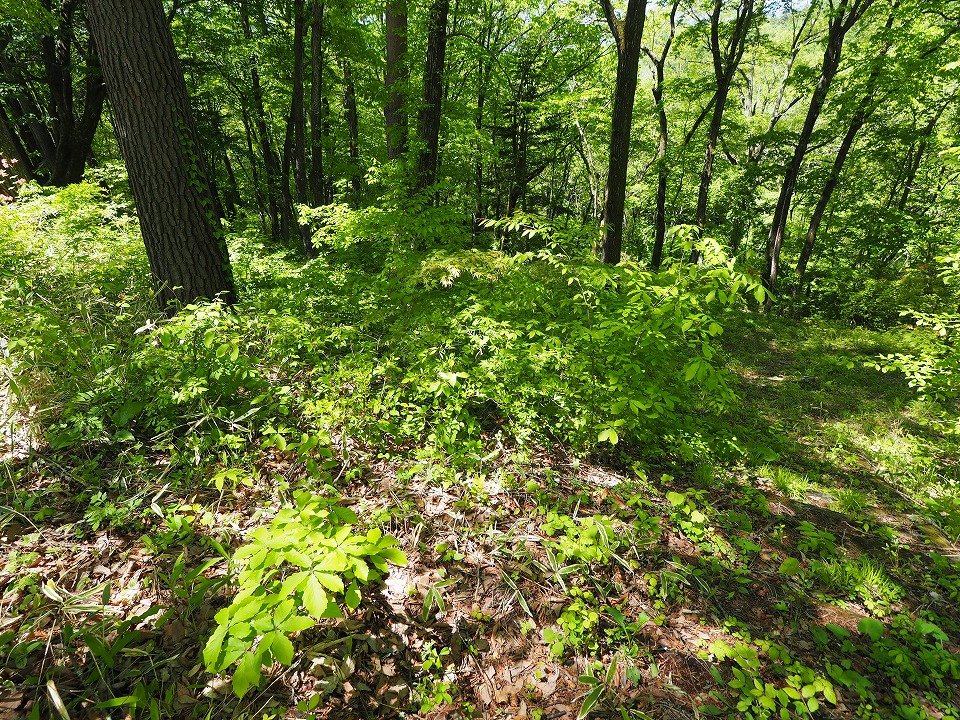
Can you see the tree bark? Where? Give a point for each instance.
(397, 78)
(430, 112)
(14, 166)
(158, 138)
(73, 135)
(864, 109)
(828, 187)
(628, 35)
(663, 143)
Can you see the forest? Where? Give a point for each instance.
(480, 359)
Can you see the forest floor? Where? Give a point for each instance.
(818, 575)
(711, 597)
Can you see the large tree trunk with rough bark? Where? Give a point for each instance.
(156, 131)
(628, 35)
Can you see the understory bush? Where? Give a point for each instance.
(932, 367)
(451, 346)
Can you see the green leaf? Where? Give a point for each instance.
(282, 648)
(297, 623)
(609, 435)
(315, 597)
(394, 556)
(352, 596)
(676, 499)
(330, 582)
(790, 566)
(211, 651)
(874, 629)
(590, 701)
(247, 674)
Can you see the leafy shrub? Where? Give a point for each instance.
(933, 367)
(471, 344)
(293, 573)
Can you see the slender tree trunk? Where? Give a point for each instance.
(353, 127)
(24, 109)
(232, 196)
(258, 188)
(825, 194)
(663, 177)
(271, 164)
(72, 135)
(663, 141)
(286, 171)
(14, 166)
(317, 38)
(847, 14)
(913, 166)
(299, 119)
(396, 79)
(724, 68)
(864, 109)
(13, 152)
(628, 35)
(430, 113)
(156, 131)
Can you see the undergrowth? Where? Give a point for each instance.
(666, 490)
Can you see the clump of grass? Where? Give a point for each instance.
(860, 580)
(851, 501)
(791, 484)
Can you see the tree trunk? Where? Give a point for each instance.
(396, 79)
(25, 110)
(828, 187)
(271, 164)
(913, 166)
(158, 138)
(628, 35)
(724, 69)
(846, 16)
(299, 119)
(663, 143)
(13, 152)
(353, 127)
(73, 136)
(13, 162)
(317, 31)
(663, 177)
(433, 94)
(863, 110)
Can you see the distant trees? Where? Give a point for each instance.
(52, 91)
(804, 135)
(188, 256)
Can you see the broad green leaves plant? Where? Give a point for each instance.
(306, 566)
